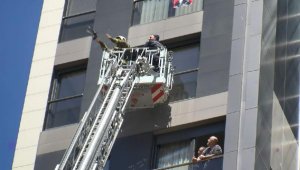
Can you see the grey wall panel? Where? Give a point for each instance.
(212, 82)
(74, 50)
(48, 161)
(216, 44)
(56, 139)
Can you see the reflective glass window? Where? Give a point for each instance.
(64, 104)
(174, 153)
(186, 57)
(184, 86)
(74, 27)
(185, 61)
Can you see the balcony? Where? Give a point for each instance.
(147, 11)
(216, 163)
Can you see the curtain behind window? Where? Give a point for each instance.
(154, 10)
(175, 153)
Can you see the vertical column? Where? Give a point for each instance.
(242, 111)
(38, 85)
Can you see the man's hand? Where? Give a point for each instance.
(108, 36)
(194, 160)
(92, 32)
(202, 157)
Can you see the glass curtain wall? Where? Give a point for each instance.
(286, 86)
(287, 82)
(185, 60)
(65, 101)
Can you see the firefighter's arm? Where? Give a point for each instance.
(102, 44)
(114, 40)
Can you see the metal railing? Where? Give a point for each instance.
(145, 55)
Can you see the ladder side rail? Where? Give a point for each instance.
(100, 130)
(116, 121)
(115, 58)
(90, 130)
(70, 153)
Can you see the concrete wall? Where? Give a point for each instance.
(215, 47)
(38, 85)
(72, 51)
(242, 112)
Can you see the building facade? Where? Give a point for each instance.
(236, 78)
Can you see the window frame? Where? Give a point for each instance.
(182, 42)
(55, 87)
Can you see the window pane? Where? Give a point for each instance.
(154, 10)
(63, 112)
(174, 154)
(186, 58)
(184, 86)
(70, 84)
(73, 28)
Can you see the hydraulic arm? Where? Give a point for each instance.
(100, 125)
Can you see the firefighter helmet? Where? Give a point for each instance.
(120, 37)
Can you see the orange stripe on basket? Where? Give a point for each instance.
(155, 87)
(158, 96)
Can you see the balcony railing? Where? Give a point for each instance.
(215, 163)
(147, 11)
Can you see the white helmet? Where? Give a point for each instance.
(120, 37)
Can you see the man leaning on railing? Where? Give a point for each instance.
(213, 149)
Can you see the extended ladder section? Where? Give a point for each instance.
(98, 129)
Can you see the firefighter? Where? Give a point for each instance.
(119, 41)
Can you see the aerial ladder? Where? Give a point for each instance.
(131, 85)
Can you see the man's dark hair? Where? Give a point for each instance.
(156, 37)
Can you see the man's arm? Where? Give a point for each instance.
(102, 44)
(196, 160)
(216, 150)
(114, 40)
